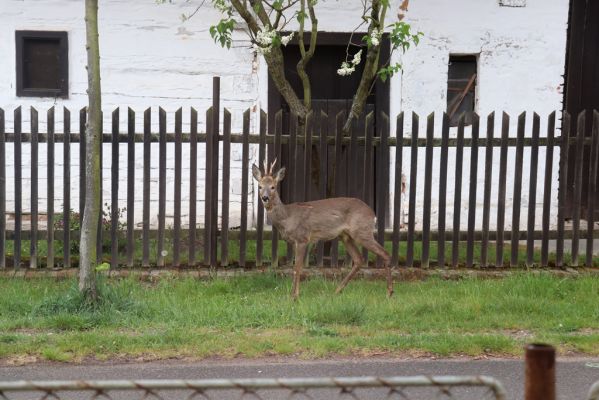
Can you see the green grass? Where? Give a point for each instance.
(254, 316)
(251, 251)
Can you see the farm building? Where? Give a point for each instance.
(495, 55)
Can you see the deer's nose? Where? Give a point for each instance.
(264, 198)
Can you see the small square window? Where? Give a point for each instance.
(461, 88)
(42, 64)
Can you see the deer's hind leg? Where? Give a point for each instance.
(354, 252)
(368, 241)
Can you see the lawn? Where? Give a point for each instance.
(253, 316)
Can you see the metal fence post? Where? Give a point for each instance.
(539, 372)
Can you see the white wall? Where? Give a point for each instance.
(150, 59)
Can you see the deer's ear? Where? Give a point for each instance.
(280, 174)
(256, 172)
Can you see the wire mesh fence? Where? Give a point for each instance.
(405, 388)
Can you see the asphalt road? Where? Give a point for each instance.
(574, 376)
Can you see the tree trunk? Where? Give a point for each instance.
(93, 138)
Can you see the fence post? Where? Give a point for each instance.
(539, 372)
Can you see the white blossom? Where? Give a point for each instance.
(375, 37)
(346, 69)
(357, 58)
(264, 41)
(265, 38)
(286, 39)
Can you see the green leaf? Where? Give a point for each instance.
(103, 267)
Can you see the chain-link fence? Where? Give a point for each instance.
(405, 388)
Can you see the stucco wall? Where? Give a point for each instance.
(150, 59)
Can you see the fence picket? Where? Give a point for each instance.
(398, 193)
(224, 235)
(18, 188)
(428, 177)
(260, 222)
(442, 191)
(193, 186)
(66, 190)
(352, 176)
(337, 175)
(50, 189)
(2, 191)
(322, 176)
(580, 126)
(82, 152)
(214, 170)
(532, 190)
(366, 193)
(472, 191)
(517, 191)
(291, 184)
(561, 194)
(592, 189)
(160, 261)
(99, 243)
(274, 255)
(208, 186)
(114, 192)
(487, 189)
(146, 188)
(34, 189)
(130, 186)
(547, 189)
(383, 180)
(307, 176)
(178, 166)
(505, 132)
(412, 188)
(245, 149)
(457, 197)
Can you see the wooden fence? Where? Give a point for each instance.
(210, 246)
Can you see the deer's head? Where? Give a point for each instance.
(268, 182)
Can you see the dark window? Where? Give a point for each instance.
(461, 85)
(42, 64)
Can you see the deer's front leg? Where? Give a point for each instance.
(300, 256)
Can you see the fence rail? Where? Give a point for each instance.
(455, 387)
(356, 163)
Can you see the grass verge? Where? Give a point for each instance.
(253, 316)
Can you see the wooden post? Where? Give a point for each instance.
(539, 372)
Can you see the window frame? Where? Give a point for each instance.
(454, 118)
(20, 37)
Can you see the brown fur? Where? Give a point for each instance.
(349, 219)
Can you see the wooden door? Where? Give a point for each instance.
(581, 84)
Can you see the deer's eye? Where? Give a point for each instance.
(259, 187)
(272, 188)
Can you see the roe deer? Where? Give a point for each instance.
(349, 219)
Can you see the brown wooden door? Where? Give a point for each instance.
(581, 84)
(332, 94)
